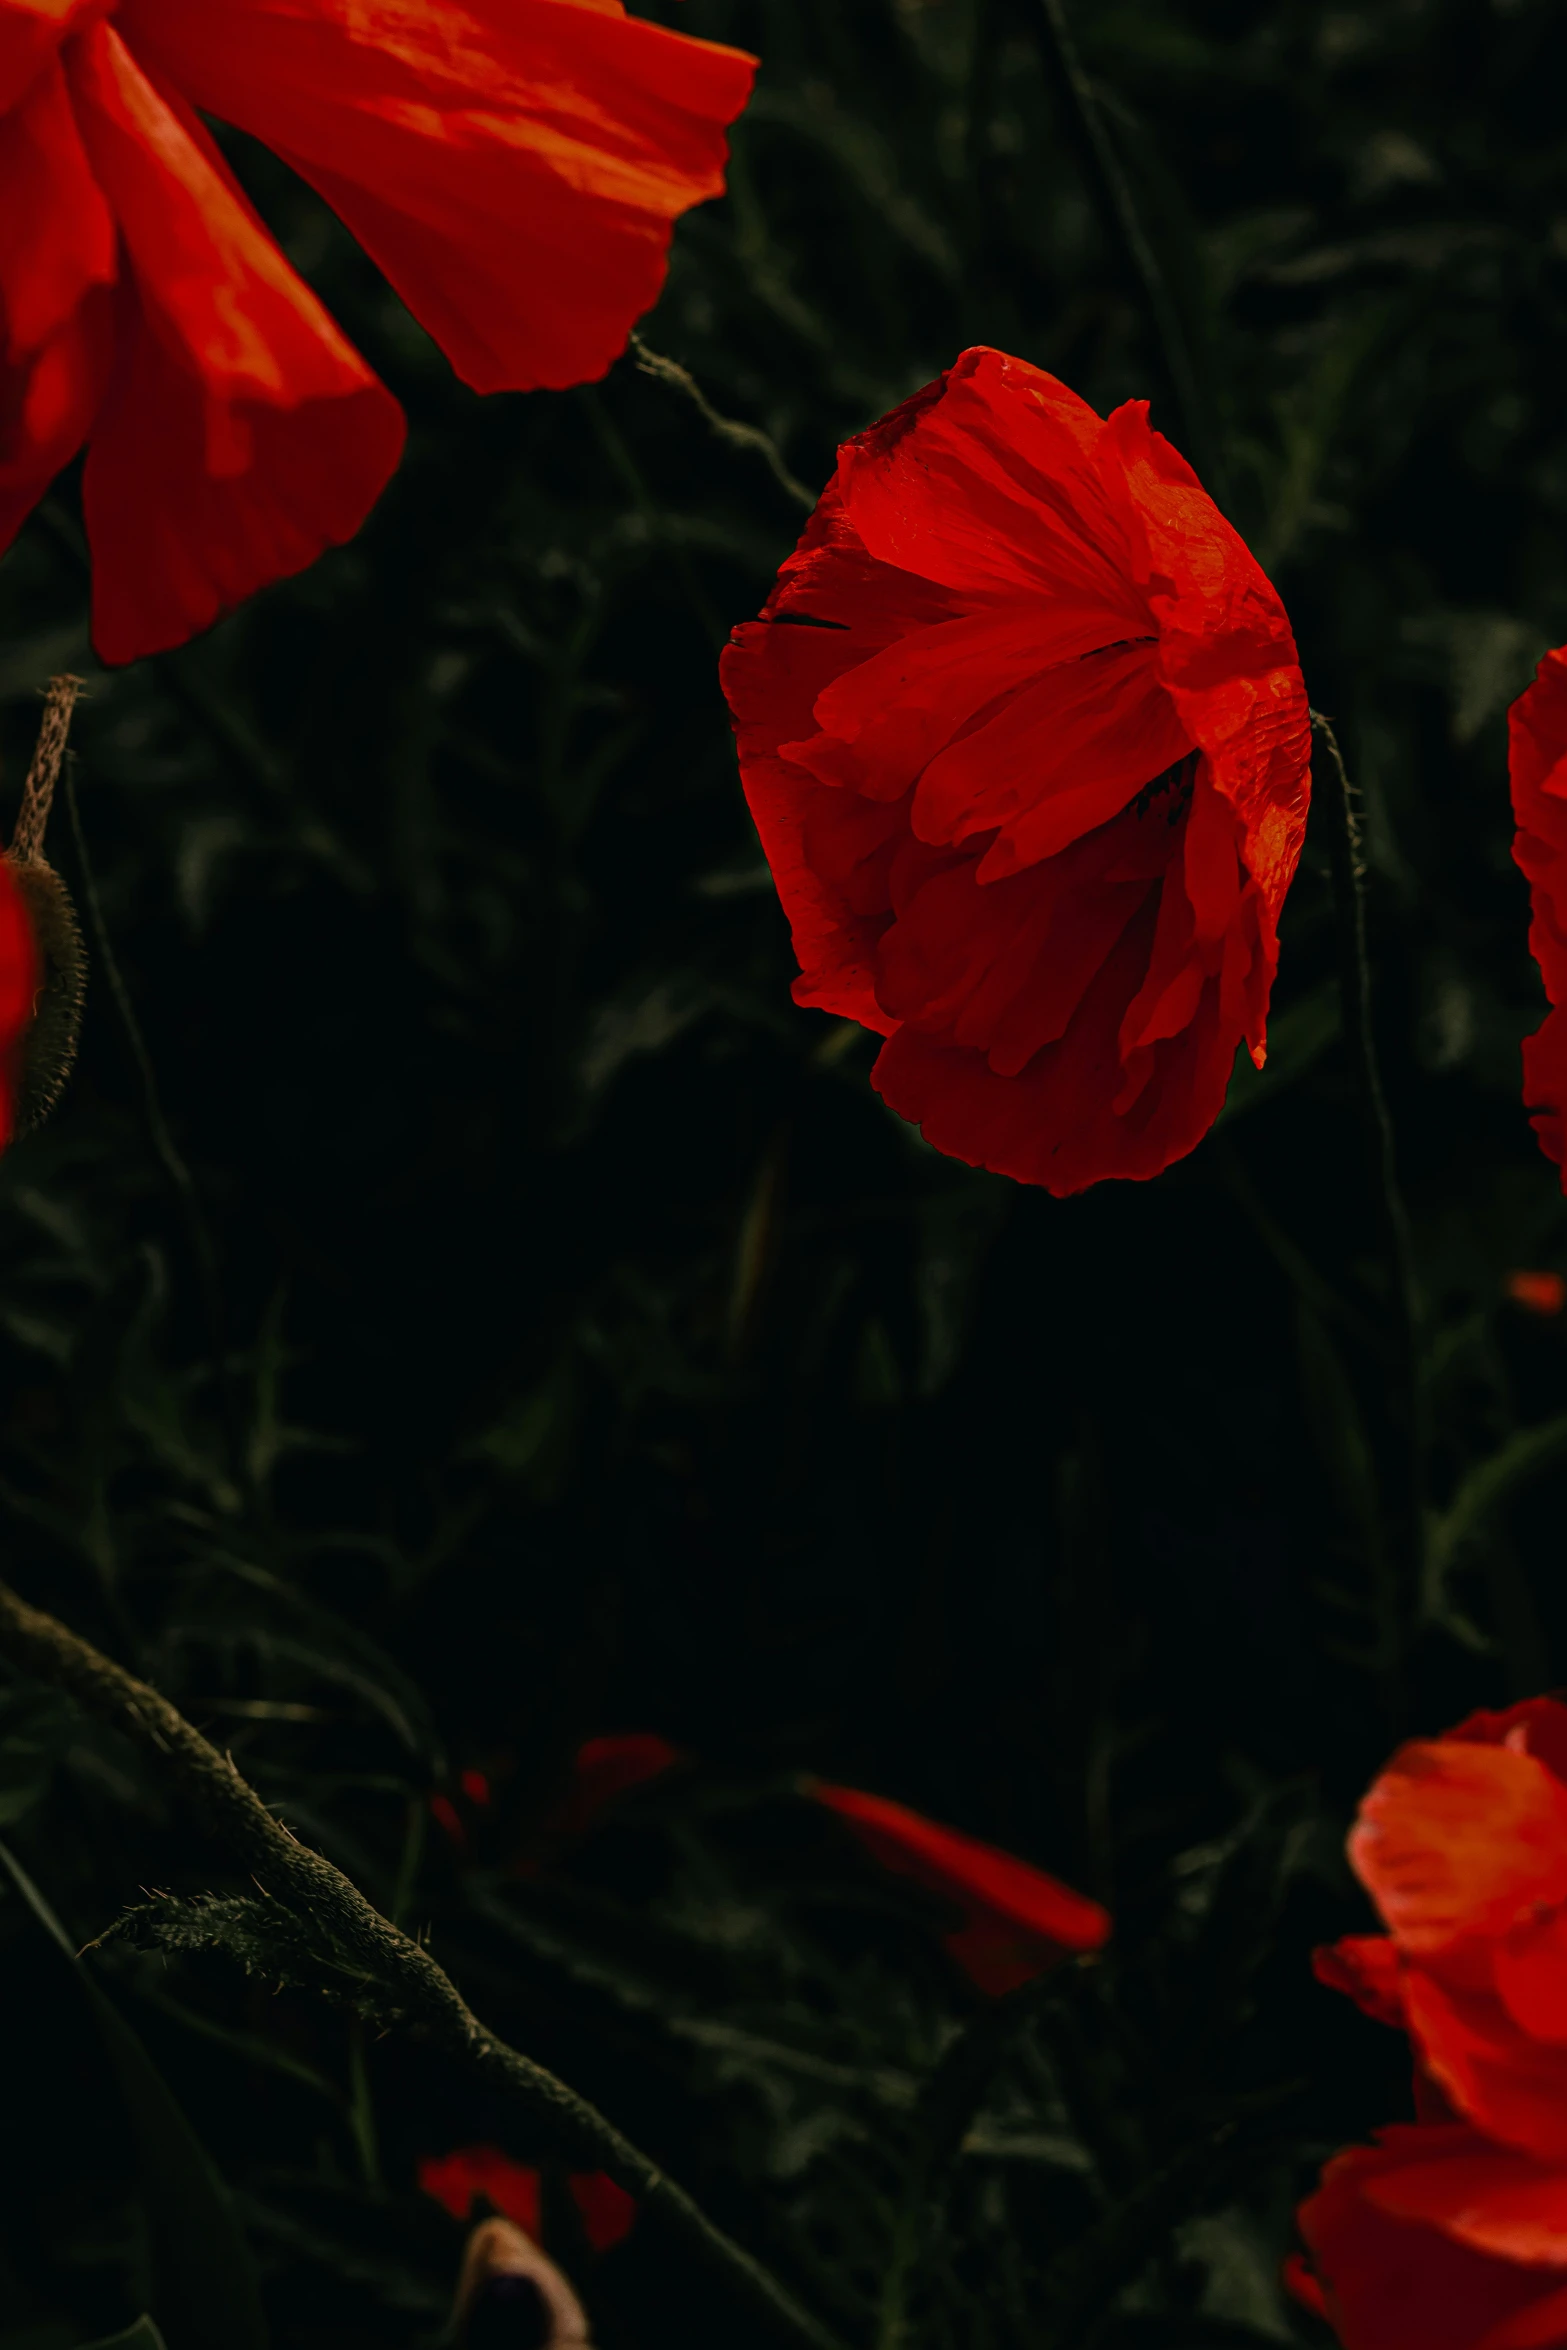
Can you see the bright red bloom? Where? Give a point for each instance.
(1017, 1921)
(1462, 1845)
(514, 166)
(459, 2179)
(1025, 738)
(1537, 764)
(21, 976)
(1435, 2239)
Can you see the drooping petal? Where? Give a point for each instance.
(59, 233)
(57, 260)
(514, 166)
(241, 434)
(1458, 1841)
(978, 1876)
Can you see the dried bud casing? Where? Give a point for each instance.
(49, 1047)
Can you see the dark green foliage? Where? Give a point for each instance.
(588, 1350)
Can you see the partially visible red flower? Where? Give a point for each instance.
(459, 2180)
(607, 1768)
(1462, 1845)
(1537, 764)
(21, 976)
(1017, 1920)
(1024, 735)
(606, 2211)
(514, 166)
(1436, 2239)
(1538, 1293)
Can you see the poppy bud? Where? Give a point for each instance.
(48, 1047)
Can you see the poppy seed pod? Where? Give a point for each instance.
(46, 1049)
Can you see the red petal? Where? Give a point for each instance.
(1061, 758)
(1538, 1726)
(1368, 1968)
(30, 30)
(1537, 765)
(980, 1876)
(20, 979)
(1396, 2284)
(514, 166)
(1457, 1840)
(47, 406)
(242, 435)
(59, 239)
(457, 2179)
(607, 2212)
(1480, 2195)
(54, 273)
(987, 482)
(1511, 2086)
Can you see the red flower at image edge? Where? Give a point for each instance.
(1436, 2239)
(469, 2173)
(1018, 1920)
(21, 976)
(1024, 736)
(1537, 764)
(1451, 2233)
(513, 166)
(1462, 1845)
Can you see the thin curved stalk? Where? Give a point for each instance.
(1349, 899)
(343, 1924)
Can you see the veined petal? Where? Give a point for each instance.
(514, 166)
(241, 434)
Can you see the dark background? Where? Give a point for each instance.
(599, 1353)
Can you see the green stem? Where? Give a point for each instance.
(1112, 191)
(346, 1930)
(1349, 899)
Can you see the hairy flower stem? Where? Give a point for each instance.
(1112, 192)
(345, 1930)
(1349, 901)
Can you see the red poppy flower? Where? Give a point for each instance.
(460, 2179)
(20, 979)
(1435, 2239)
(514, 166)
(1024, 736)
(1017, 1920)
(1537, 764)
(1462, 1845)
